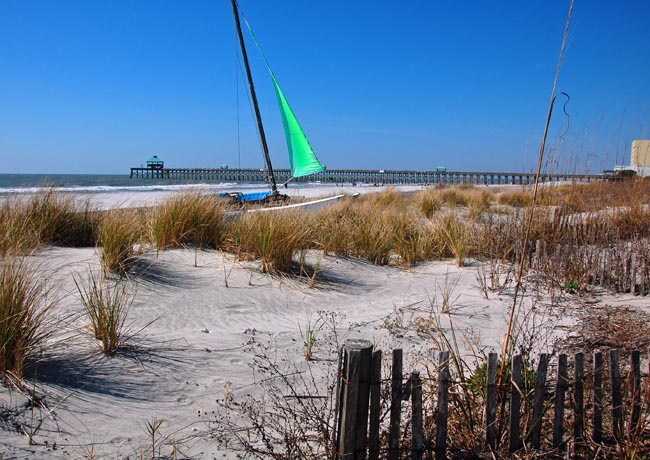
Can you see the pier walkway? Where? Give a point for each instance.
(385, 177)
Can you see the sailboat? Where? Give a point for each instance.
(301, 155)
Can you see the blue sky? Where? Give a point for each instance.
(100, 86)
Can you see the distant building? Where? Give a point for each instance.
(155, 163)
(640, 160)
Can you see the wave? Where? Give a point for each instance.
(127, 188)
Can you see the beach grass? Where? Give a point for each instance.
(25, 305)
(272, 237)
(119, 232)
(188, 219)
(45, 219)
(106, 305)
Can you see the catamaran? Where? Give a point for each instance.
(301, 155)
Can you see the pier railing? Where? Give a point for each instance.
(381, 177)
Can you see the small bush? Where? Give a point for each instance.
(25, 303)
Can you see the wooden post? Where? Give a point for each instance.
(491, 402)
(395, 405)
(443, 406)
(516, 390)
(617, 395)
(633, 274)
(355, 393)
(579, 399)
(636, 392)
(375, 397)
(597, 435)
(416, 417)
(560, 391)
(538, 401)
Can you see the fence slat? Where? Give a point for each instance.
(515, 403)
(395, 405)
(635, 378)
(560, 391)
(375, 399)
(597, 434)
(538, 401)
(443, 406)
(355, 398)
(579, 398)
(491, 402)
(617, 395)
(416, 417)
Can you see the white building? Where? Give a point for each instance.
(640, 160)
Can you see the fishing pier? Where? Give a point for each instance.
(379, 177)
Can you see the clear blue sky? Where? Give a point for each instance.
(99, 86)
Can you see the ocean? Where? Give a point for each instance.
(102, 183)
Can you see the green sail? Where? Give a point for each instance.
(301, 155)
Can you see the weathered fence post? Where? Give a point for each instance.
(395, 405)
(538, 401)
(516, 390)
(579, 399)
(617, 395)
(354, 399)
(443, 406)
(491, 402)
(560, 391)
(597, 435)
(416, 417)
(635, 357)
(375, 397)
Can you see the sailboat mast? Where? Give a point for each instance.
(265, 147)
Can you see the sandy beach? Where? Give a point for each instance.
(199, 321)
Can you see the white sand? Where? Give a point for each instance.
(190, 336)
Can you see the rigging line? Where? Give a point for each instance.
(237, 65)
(507, 339)
(250, 101)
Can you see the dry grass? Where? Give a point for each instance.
(106, 304)
(118, 235)
(44, 219)
(272, 237)
(25, 304)
(188, 219)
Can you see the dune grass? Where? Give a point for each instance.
(188, 219)
(118, 234)
(25, 304)
(44, 219)
(272, 237)
(106, 305)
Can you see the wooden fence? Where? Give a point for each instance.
(581, 402)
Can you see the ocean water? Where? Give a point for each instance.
(102, 183)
